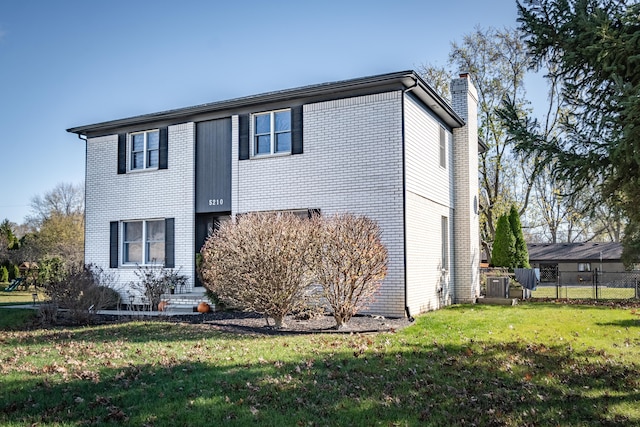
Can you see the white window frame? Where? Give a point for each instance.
(144, 243)
(146, 151)
(584, 267)
(444, 233)
(272, 133)
(443, 147)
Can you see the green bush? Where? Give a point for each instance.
(504, 245)
(14, 272)
(521, 256)
(4, 274)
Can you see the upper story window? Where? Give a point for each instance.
(443, 147)
(145, 150)
(272, 132)
(143, 242)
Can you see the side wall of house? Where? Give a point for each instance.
(429, 199)
(155, 194)
(352, 162)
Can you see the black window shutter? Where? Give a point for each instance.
(113, 244)
(313, 213)
(243, 136)
(296, 130)
(163, 154)
(122, 153)
(169, 243)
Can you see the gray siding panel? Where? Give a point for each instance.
(213, 166)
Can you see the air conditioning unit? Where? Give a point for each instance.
(497, 287)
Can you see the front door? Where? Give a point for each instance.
(206, 224)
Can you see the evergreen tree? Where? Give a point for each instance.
(521, 254)
(504, 245)
(6, 231)
(593, 48)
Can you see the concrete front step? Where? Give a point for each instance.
(186, 302)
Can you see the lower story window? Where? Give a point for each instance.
(584, 266)
(143, 242)
(444, 223)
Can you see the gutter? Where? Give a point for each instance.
(407, 311)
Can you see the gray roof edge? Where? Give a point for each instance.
(404, 77)
(579, 251)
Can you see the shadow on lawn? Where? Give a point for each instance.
(485, 384)
(627, 323)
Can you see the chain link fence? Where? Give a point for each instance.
(588, 285)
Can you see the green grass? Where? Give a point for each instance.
(584, 292)
(533, 364)
(18, 297)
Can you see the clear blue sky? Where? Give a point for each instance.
(70, 63)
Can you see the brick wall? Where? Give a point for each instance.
(140, 195)
(352, 162)
(465, 179)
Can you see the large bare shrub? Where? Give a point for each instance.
(81, 289)
(349, 261)
(259, 263)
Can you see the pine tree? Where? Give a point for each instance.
(521, 254)
(504, 245)
(592, 46)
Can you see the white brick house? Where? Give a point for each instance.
(384, 146)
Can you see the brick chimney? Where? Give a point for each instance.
(466, 220)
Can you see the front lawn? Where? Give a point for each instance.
(533, 364)
(19, 297)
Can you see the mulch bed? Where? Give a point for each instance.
(252, 323)
(242, 322)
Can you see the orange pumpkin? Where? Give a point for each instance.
(163, 305)
(203, 307)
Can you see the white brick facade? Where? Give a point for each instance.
(153, 194)
(352, 162)
(367, 149)
(465, 179)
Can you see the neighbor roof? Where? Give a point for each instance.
(408, 80)
(610, 251)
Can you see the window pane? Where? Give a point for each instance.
(152, 158)
(283, 142)
(137, 161)
(283, 121)
(155, 231)
(155, 252)
(133, 231)
(153, 140)
(137, 144)
(133, 252)
(263, 123)
(263, 144)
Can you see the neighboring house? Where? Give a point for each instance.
(385, 146)
(575, 262)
